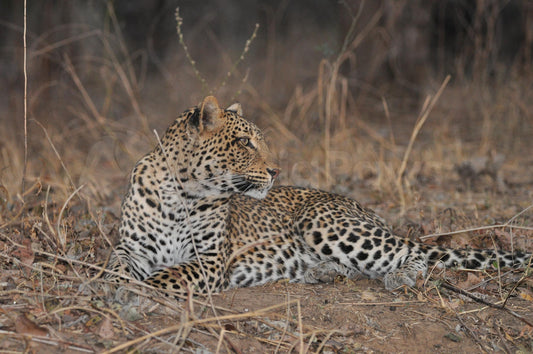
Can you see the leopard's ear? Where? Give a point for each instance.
(236, 108)
(210, 117)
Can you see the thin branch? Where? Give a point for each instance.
(484, 302)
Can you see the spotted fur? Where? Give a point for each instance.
(201, 214)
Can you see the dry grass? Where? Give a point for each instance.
(87, 128)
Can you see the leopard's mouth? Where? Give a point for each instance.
(252, 185)
(244, 186)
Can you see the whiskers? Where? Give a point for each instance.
(254, 188)
(224, 183)
(243, 185)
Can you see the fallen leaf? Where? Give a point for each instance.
(453, 337)
(526, 296)
(505, 238)
(508, 337)
(471, 280)
(461, 240)
(454, 304)
(526, 332)
(368, 296)
(25, 253)
(26, 326)
(106, 329)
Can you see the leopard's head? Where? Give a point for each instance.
(228, 154)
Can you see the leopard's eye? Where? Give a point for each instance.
(245, 141)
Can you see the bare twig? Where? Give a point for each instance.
(484, 302)
(179, 21)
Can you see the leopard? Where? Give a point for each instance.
(202, 215)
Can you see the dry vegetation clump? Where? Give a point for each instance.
(445, 159)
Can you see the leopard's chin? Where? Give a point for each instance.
(257, 193)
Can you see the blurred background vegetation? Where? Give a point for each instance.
(337, 85)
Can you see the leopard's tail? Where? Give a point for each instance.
(476, 258)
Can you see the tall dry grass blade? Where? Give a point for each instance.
(45, 212)
(129, 82)
(122, 43)
(418, 126)
(61, 236)
(285, 329)
(300, 326)
(427, 108)
(24, 169)
(389, 122)
(86, 97)
(329, 102)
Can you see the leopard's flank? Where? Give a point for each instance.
(201, 214)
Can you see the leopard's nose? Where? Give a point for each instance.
(274, 172)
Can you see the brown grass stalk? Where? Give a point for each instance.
(330, 102)
(257, 313)
(24, 170)
(199, 76)
(60, 233)
(426, 110)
